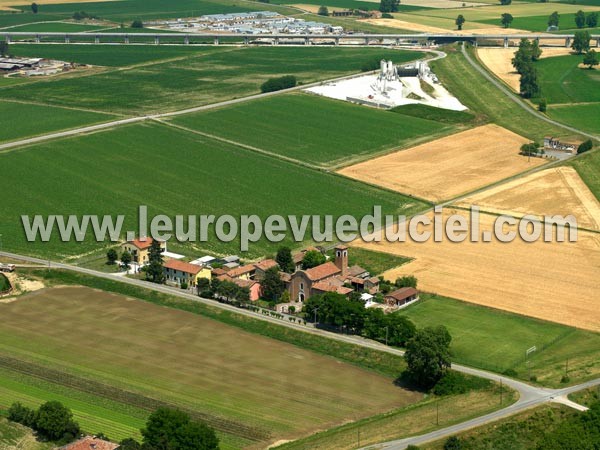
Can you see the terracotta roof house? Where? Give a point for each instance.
(178, 272)
(401, 297)
(253, 286)
(90, 443)
(245, 272)
(139, 249)
(262, 267)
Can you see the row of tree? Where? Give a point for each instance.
(523, 62)
(52, 421)
(582, 20)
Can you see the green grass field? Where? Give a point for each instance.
(57, 27)
(583, 116)
(105, 55)
(312, 129)
(12, 19)
(21, 120)
(206, 76)
(588, 167)
(128, 10)
(537, 23)
(224, 375)
(495, 340)
(375, 262)
(346, 4)
(173, 172)
(487, 102)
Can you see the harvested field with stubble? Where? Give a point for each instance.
(548, 192)
(498, 61)
(450, 166)
(250, 382)
(554, 281)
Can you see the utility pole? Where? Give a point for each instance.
(437, 412)
(500, 392)
(566, 366)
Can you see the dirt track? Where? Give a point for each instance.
(552, 281)
(450, 166)
(554, 191)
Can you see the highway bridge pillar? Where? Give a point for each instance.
(505, 42)
(276, 41)
(7, 39)
(186, 40)
(216, 41)
(337, 41)
(306, 41)
(156, 40)
(246, 40)
(366, 41)
(568, 42)
(67, 39)
(475, 42)
(96, 40)
(127, 39)
(397, 41)
(598, 42)
(37, 38)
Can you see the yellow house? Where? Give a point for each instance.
(179, 272)
(140, 249)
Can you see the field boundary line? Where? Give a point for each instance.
(72, 108)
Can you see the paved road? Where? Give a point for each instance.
(529, 396)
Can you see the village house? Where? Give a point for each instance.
(553, 143)
(90, 443)
(140, 249)
(401, 297)
(261, 268)
(253, 286)
(179, 272)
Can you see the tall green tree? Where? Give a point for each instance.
(505, 2)
(428, 355)
(155, 269)
(170, 429)
(111, 256)
(3, 48)
(529, 84)
(285, 260)
(312, 258)
(506, 19)
(536, 51)
(388, 6)
(553, 19)
(272, 285)
(460, 20)
(323, 11)
(126, 259)
(590, 59)
(591, 20)
(34, 8)
(406, 281)
(581, 42)
(580, 19)
(54, 422)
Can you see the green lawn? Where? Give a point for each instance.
(495, 340)
(588, 167)
(57, 27)
(583, 116)
(537, 23)
(12, 19)
(207, 76)
(128, 10)
(487, 101)
(105, 55)
(347, 4)
(173, 172)
(312, 129)
(21, 120)
(375, 262)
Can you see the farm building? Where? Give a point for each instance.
(179, 272)
(140, 248)
(553, 143)
(401, 297)
(90, 443)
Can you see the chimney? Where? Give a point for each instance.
(341, 258)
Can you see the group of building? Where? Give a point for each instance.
(33, 66)
(334, 275)
(256, 22)
(552, 143)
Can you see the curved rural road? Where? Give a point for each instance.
(529, 396)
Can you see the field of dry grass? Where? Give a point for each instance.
(192, 361)
(450, 166)
(548, 192)
(552, 281)
(498, 61)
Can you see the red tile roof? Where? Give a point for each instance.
(175, 264)
(90, 443)
(325, 270)
(242, 270)
(142, 243)
(402, 293)
(266, 264)
(326, 286)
